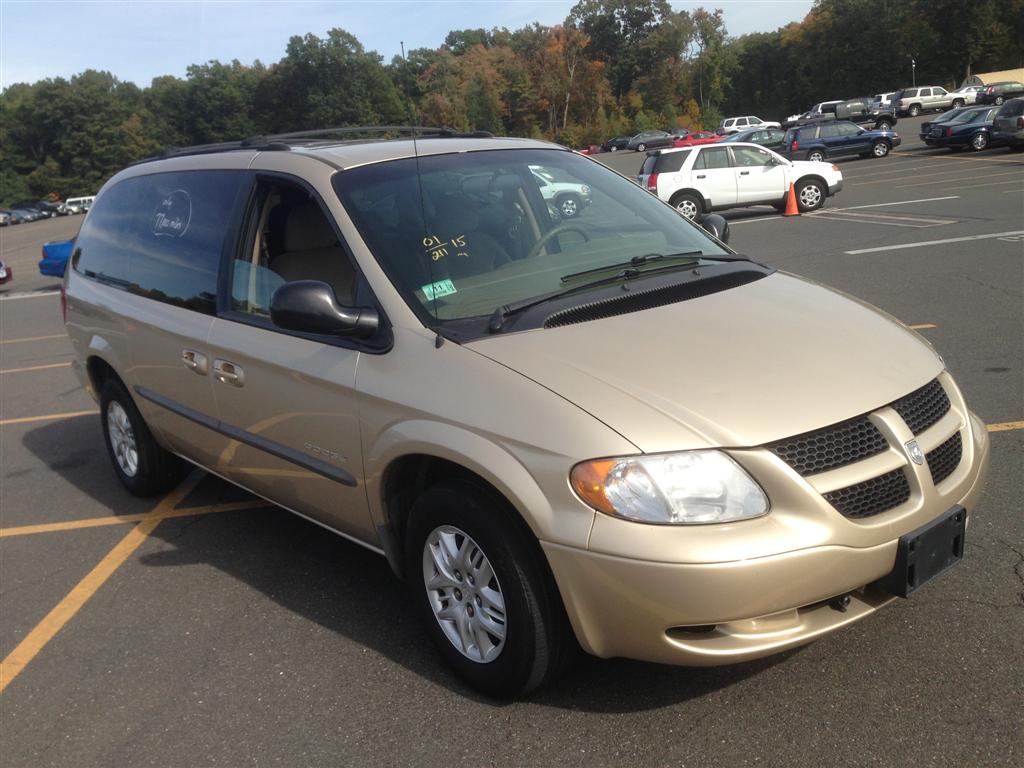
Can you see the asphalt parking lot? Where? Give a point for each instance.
(210, 628)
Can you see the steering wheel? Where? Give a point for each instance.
(559, 230)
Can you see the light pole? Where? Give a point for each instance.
(913, 72)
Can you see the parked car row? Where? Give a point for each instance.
(21, 213)
(914, 101)
(976, 127)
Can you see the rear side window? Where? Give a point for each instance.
(808, 133)
(710, 159)
(1012, 108)
(671, 162)
(161, 236)
(828, 131)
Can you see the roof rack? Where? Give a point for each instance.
(283, 142)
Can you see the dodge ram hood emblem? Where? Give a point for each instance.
(914, 451)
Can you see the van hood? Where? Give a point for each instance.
(739, 368)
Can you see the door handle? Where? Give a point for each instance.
(744, 173)
(701, 175)
(194, 361)
(228, 373)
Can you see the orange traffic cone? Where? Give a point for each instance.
(791, 203)
(791, 207)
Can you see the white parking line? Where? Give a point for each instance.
(901, 202)
(887, 219)
(933, 242)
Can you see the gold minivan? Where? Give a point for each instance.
(608, 431)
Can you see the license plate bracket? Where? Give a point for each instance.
(925, 553)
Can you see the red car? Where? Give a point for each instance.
(700, 137)
(6, 275)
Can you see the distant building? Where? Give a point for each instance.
(987, 78)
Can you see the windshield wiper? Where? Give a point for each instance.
(636, 261)
(502, 313)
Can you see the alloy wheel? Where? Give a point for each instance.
(464, 594)
(122, 439)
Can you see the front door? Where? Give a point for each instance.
(758, 179)
(287, 400)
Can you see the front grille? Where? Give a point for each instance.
(923, 407)
(944, 459)
(835, 446)
(871, 497)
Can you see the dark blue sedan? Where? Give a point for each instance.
(837, 138)
(972, 127)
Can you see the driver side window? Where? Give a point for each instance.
(290, 239)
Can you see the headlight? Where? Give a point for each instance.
(683, 488)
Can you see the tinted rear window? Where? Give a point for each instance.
(161, 236)
(1012, 108)
(671, 162)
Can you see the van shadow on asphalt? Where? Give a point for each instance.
(348, 589)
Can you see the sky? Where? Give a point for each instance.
(143, 39)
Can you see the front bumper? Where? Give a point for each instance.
(711, 613)
(833, 188)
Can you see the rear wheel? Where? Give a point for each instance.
(142, 466)
(880, 148)
(957, 103)
(883, 125)
(689, 205)
(979, 141)
(999, 101)
(810, 195)
(483, 592)
(816, 156)
(915, 110)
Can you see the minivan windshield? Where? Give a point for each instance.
(461, 235)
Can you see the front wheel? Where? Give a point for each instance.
(883, 125)
(979, 141)
(641, 147)
(999, 101)
(810, 195)
(816, 156)
(569, 206)
(689, 206)
(880, 148)
(142, 466)
(482, 591)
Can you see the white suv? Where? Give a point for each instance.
(736, 124)
(696, 180)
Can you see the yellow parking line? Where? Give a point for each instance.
(34, 368)
(1006, 426)
(65, 610)
(34, 338)
(47, 417)
(923, 326)
(96, 522)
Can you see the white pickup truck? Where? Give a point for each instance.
(697, 180)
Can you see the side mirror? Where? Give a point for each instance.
(309, 306)
(716, 225)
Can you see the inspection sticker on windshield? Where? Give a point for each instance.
(437, 290)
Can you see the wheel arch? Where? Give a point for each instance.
(690, 191)
(414, 456)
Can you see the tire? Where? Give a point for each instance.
(979, 141)
(915, 110)
(452, 525)
(688, 205)
(810, 195)
(999, 101)
(816, 155)
(883, 125)
(880, 149)
(141, 464)
(641, 147)
(569, 206)
(957, 103)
